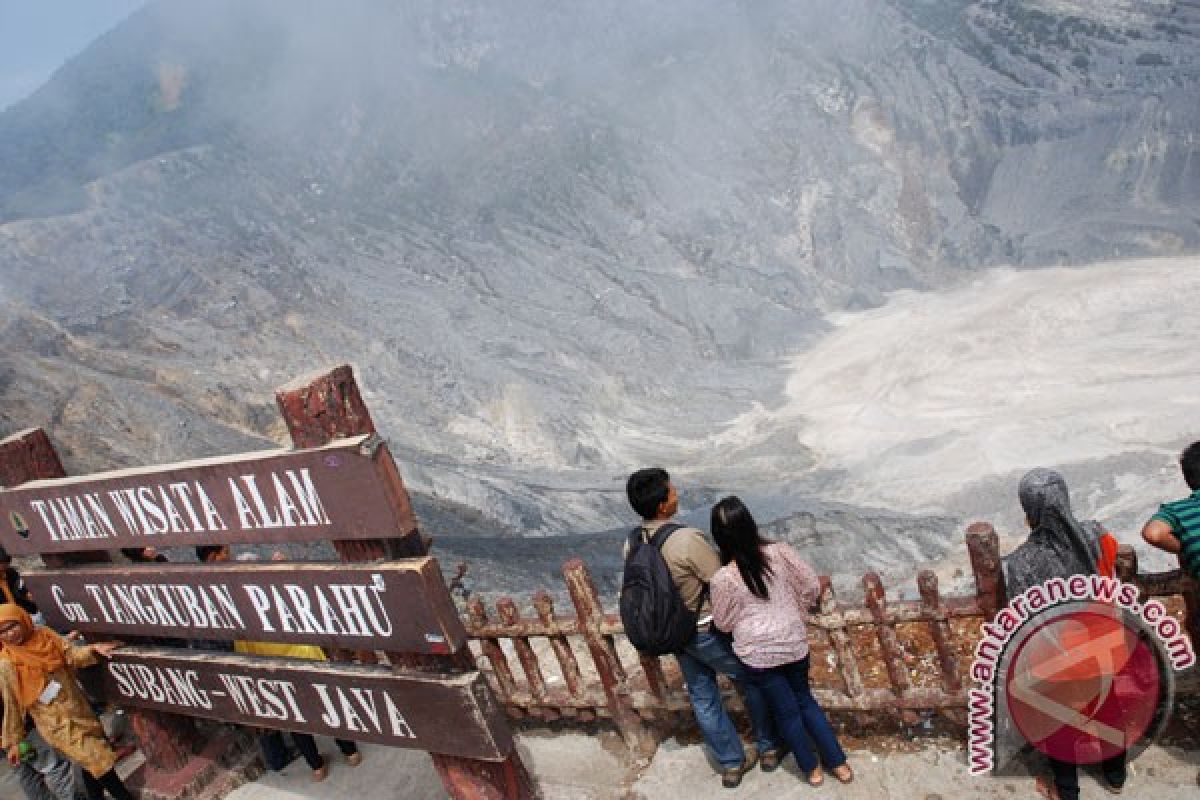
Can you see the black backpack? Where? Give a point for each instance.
(656, 619)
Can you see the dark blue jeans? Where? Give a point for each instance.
(797, 715)
(706, 655)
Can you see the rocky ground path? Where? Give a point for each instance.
(578, 766)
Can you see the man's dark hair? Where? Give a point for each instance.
(647, 489)
(1189, 460)
(205, 551)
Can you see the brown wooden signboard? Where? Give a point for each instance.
(332, 492)
(453, 714)
(397, 605)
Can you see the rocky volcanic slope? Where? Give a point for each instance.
(556, 242)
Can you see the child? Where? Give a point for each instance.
(1176, 526)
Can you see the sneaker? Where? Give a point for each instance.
(731, 777)
(321, 773)
(769, 760)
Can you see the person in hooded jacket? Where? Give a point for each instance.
(1060, 546)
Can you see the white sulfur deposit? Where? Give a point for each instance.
(932, 392)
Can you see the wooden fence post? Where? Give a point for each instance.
(640, 741)
(931, 599)
(326, 406)
(889, 644)
(511, 616)
(840, 639)
(167, 740)
(1127, 568)
(562, 650)
(983, 545)
(491, 648)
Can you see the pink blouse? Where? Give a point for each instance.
(767, 633)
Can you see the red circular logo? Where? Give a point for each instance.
(1084, 686)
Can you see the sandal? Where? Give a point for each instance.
(843, 773)
(816, 777)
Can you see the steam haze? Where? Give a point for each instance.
(751, 242)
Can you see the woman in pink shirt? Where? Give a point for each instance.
(761, 595)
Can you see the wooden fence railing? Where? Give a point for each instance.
(880, 656)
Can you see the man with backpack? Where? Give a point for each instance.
(665, 609)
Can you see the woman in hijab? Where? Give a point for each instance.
(36, 678)
(1060, 546)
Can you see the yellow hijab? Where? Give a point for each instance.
(35, 658)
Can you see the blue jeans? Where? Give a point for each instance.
(706, 655)
(49, 776)
(797, 714)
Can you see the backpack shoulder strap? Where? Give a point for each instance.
(635, 537)
(660, 538)
(663, 533)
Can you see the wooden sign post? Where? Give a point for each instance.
(341, 485)
(325, 407)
